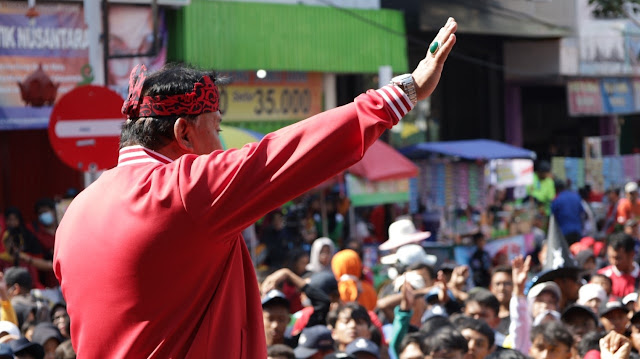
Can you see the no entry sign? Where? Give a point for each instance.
(84, 128)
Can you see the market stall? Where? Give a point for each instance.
(471, 186)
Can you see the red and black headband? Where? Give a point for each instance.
(203, 98)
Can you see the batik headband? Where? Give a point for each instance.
(203, 98)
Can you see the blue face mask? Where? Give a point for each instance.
(46, 218)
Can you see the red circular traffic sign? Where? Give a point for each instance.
(84, 128)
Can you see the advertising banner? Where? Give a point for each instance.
(278, 96)
(511, 173)
(45, 57)
(500, 250)
(617, 95)
(584, 97)
(52, 46)
(367, 193)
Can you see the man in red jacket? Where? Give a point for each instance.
(150, 256)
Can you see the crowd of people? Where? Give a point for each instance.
(574, 296)
(567, 299)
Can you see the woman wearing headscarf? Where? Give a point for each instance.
(347, 268)
(322, 250)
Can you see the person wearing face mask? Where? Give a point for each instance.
(44, 228)
(45, 225)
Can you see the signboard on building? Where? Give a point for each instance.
(278, 96)
(54, 46)
(606, 96)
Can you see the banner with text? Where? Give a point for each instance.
(278, 96)
(606, 96)
(45, 57)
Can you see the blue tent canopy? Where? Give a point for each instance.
(468, 149)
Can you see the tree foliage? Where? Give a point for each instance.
(610, 8)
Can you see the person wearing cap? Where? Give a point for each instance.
(314, 343)
(568, 211)
(275, 316)
(47, 335)
(543, 188)
(580, 320)
(401, 232)
(362, 348)
(614, 316)
(176, 197)
(544, 296)
(23, 348)
(318, 290)
(623, 270)
(410, 258)
(629, 206)
(592, 296)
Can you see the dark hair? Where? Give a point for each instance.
(485, 298)
(420, 265)
(44, 202)
(434, 323)
(606, 278)
(413, 338)
(156, 132)
(376, 335)
(552, 333)
(560, 185)
(506, 354)
(478, 236)
(447, 338)
(501, 269)
(623, 241)
(462, 322)
(590, 341)
(357, 312)
(16, 212)
(277, 350)
(18, 275)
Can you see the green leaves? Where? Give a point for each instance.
(610, 8)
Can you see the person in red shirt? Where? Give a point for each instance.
(150, 257)
(623, 270)
(629, 207)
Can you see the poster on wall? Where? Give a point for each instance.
(44, 57)
(51, 47)
(277, 96)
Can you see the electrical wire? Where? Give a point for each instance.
(419, 42)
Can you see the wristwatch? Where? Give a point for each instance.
(405, 82)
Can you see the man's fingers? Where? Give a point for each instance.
(445, 41)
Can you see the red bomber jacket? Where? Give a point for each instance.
(150, 256)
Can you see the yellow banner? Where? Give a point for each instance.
(279, 100)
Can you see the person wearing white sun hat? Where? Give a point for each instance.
(402, 232)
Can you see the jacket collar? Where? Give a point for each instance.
(131, 155)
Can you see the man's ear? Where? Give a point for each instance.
(182, 133)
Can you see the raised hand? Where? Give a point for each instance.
(427, 74)
(408, 296)
(519, 272)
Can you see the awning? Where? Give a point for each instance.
(469, 149)
(382, 162)
(247, 36)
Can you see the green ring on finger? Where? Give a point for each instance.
(434, 47)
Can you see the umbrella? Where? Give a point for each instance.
(236, 137)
